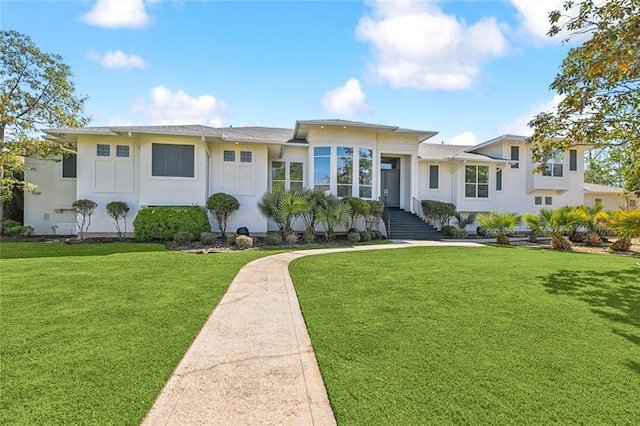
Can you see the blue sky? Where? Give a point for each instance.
(470, 69)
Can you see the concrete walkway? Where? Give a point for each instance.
(252, 363)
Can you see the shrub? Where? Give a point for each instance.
(376, 209)
(375, 234)
(273, 239)
(309, 236)
(19, 230)
(231, 239)
(85, 209)
(500, 224)
(353, 237)
(447, 229)
(221, 206)
(291, 238)
(359, 208)
(182, 238)
(9, 223)
(365, 236)
(243, 242)
(458, 233)
(284, 208)
(437, 212)
(118, 210)
(208, 238)
(162, 223)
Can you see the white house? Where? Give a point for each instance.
(183, 165)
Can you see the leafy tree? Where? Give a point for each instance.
(604, 166)
(117, 210)
(35, 90)
(221, 206)
(85, 209)
(600, 83)
(359, 208)
(376, 209)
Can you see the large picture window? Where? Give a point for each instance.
(345, 171)
(322, 168)
(172, 160)
(553, 167)
(365, 172)
(476, 181)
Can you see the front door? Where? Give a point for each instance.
(390, 182)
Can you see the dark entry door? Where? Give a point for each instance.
(390, 187)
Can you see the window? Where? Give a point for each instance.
(515, 155)
(296, 176)
(573, 160)
(597, 201)
(537, 201)
(548, 201)
(433, 177)
(553, 167)
(345, 171)
(172, 160)
(322, 168)
(277, 175)
(499, 180)
(246, 157)
(103, 150)
(365, 172)
(229, 156)
(632, 204)
(69, 163)
(476, 181)
(122, 151)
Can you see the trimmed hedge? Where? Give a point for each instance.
(162, 223)
(437, 212)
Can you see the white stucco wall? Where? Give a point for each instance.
(52, 205)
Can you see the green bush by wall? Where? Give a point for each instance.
(162, 223)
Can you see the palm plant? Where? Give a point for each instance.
(596, 226)
(284, 208)
(309, 217)
(332, 213)
(500, 224)
(562, 222)
(537, 223)
(625, 224)
(462, 223)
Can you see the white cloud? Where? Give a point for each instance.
(118, 14)
(534, 16)
(519, 126)
(117, 59)
(416, 45)
(465, 138)
(346, 100)
(167, 107)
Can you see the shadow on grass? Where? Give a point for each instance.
(614, 295)
(47, 249)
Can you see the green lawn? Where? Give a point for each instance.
(91, 332)
(493, 335)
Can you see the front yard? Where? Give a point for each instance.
(493, 335)
(91, 332)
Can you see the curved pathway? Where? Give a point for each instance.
(252, 362)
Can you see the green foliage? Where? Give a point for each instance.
(19, 231)
(244, 242)
(118, 210)
(208, 238)
(35, 91)
(447, 229)
(365, 236)
(183, 238)
(353, 237)
(221, 206)
(437, 212)
(332, 213)
(273, 239)
(85, 209)
(162, 223)
(359, 209)
(625, 223)
(9, 223)
(231, 239)
(375, 234)
(500, 224)
(284, 208)
(599, 82)
(309, 236)
(291, 238)
(309, 217)
(372, 219)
